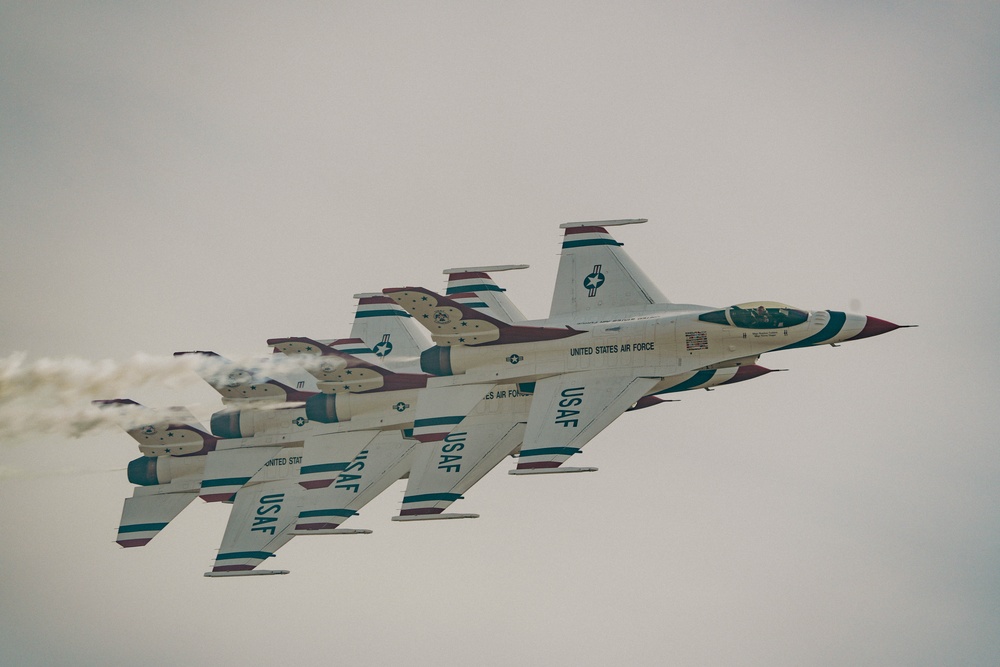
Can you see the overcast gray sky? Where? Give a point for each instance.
(207, 175)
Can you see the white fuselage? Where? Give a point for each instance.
(657, 342)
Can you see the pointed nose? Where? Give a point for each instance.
(748, 373)
(875, 327)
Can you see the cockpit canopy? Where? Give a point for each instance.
(757, 315)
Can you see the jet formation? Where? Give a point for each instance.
(438, 389)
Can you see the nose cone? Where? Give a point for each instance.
(748, 373)
(875, 327)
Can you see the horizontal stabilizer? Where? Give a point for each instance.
(452, 323)
(162, 431)
(239, 384)
(548, 471)
(245, 573)
(144, 515)
(338, 372)
(432, 517)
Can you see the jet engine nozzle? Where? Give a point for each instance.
(142, 471)
(154, 470)
(328, 408)
(436, 360)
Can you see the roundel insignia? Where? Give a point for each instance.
(300, 421)
(382, 348)
(515, 358)
(593, 281)
(441, 317)
(399, 407)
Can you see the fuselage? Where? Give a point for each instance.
(657, 341)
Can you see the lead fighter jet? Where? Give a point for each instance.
(612, 341)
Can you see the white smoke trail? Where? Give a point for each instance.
(6, 472)
(52, 396)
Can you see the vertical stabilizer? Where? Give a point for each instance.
(389, 331)
(473, 287)
(595, 274)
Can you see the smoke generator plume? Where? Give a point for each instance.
(53, 396)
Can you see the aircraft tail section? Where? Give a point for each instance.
(339, 372)
(452, 323)
(473, 287)
(394, 338)
(237, 384)
(595, 274)
(164, 432)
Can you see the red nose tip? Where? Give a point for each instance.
(748, 373)
(875, 327)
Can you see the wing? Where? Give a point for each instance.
(442, 472)
(440, 412)
(452, 323)
(568, 410)
(259, 525)
(473, 287)
(229, 470)
(326, 456)
(149, 511)
(596, 274)
(372, 471)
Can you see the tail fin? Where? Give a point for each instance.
(239, 385)
(389, 331)
(595, 274)
(473, 287)
(167, 432)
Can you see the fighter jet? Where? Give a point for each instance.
(611, 340)
(375, 408)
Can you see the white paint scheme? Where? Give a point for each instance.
(627, 286)
(489, 298)
(612, 337)
(364, 476)
(396, 340)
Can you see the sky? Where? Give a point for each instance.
(179, 176)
